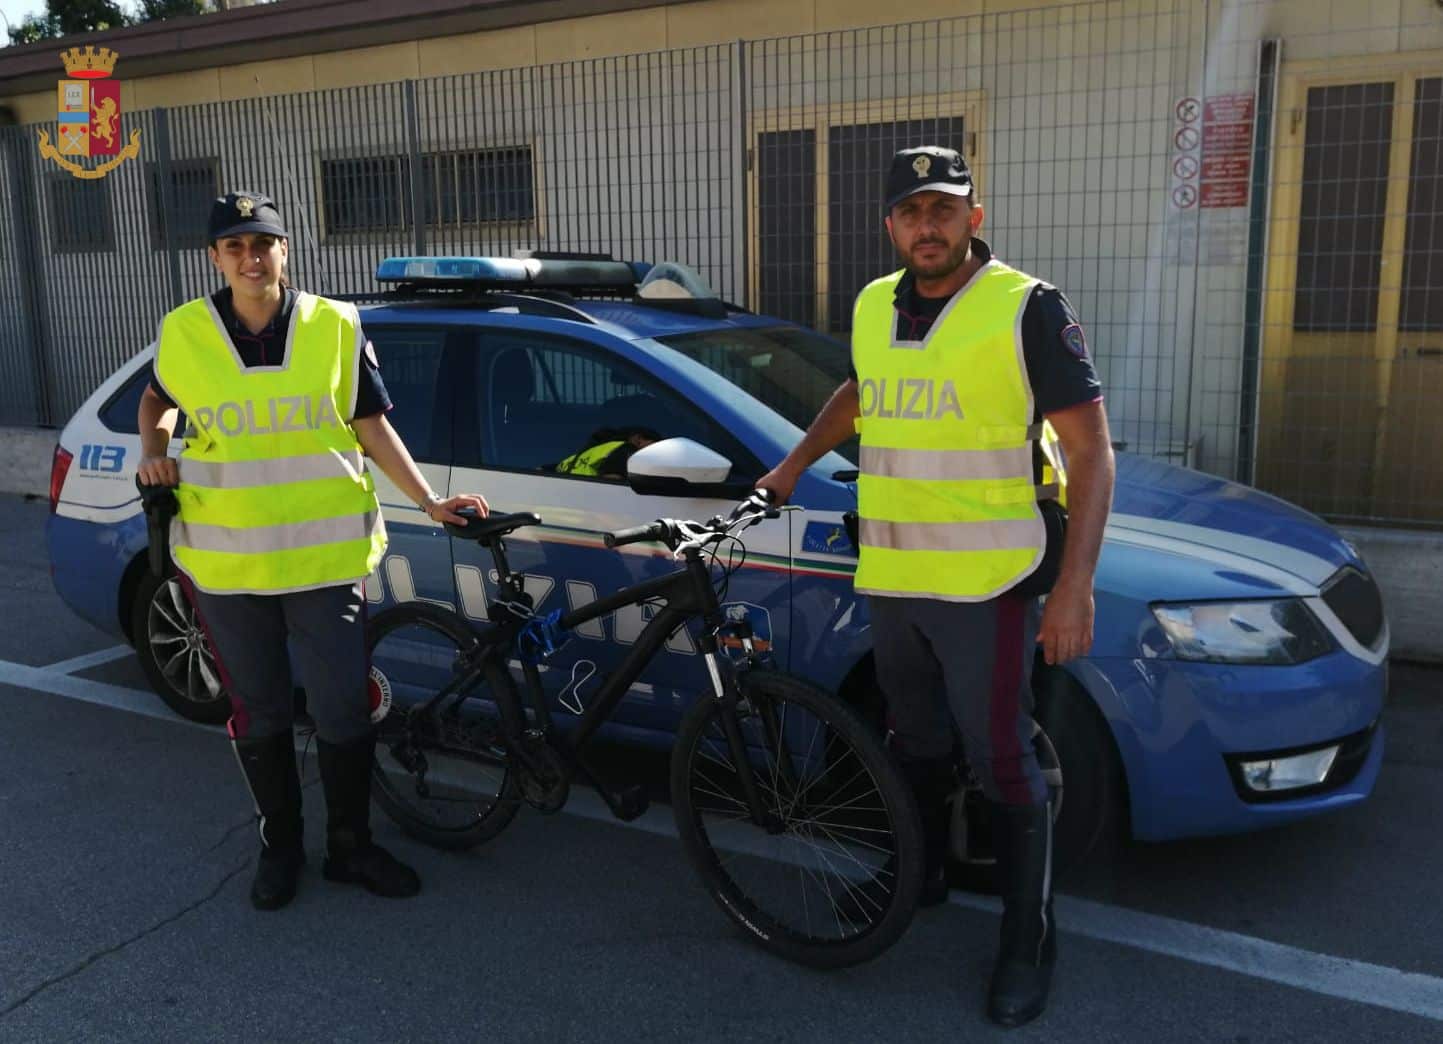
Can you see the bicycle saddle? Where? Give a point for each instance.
(492, 526)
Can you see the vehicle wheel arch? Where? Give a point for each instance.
(1054, 687)
(1057, 690)
(129, 588)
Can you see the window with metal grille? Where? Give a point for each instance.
(787, 225)
(1344, 202)
(858, 248)
(464, 188)
(857, 157)
(373, 194)
(82, 219)
(194, 187)
(368, 194)
(1421, 308)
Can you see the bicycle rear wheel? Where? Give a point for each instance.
(835, 881)
(444, 777)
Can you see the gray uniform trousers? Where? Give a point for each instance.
(326, 629)
(969, 664)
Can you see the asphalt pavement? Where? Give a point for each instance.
(128, 847)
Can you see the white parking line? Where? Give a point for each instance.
(1358, 981)
(95, 659)
(119, 697)
(1331, 976)
(1374, 984)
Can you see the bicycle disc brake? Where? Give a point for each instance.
(545, 785)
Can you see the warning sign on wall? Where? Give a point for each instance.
(1227, 141)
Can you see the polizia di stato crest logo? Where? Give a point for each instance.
(88, 114)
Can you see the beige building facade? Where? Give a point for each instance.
(1241, 197)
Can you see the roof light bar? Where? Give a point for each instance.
(507, 273)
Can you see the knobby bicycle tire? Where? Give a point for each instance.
(391, 779)
(857, 862)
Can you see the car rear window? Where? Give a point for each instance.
(121, 409)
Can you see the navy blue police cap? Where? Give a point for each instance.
(240, 212)
(929, 168)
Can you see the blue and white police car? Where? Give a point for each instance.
(1239, 670)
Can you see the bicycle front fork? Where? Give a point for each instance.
(724, 690)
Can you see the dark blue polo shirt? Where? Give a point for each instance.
(1059, 367)
(269, 346)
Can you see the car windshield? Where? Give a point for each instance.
(792, 370)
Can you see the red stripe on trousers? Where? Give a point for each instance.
(1004, 706)
(239, 722)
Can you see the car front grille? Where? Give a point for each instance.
(1354, 597)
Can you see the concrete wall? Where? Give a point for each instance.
(1409, 568)
(25, 456)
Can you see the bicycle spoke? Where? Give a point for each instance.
(847, 850)
(467, 780)
(850, 803)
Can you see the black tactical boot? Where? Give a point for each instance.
(269, 767)
(351, 856)
(1028, 948)
(932, 781)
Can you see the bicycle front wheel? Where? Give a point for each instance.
(832, 878)
(445, 777)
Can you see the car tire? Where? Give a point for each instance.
(175, 652)
(1093, 789)
(1092, 801)
(1094, 807)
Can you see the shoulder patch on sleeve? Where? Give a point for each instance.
(1073, 340)
(371, 354)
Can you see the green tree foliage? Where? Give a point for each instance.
(159, 10)
(68, 17)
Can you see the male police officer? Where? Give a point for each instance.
(967, 374)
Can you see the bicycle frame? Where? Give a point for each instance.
(686, 593)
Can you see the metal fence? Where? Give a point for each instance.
(1227, 222)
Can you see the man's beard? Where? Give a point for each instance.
(954, 260)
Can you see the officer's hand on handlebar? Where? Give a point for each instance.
(779, 482)
(158, 471)
(760, 499)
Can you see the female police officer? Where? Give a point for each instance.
(278, 525)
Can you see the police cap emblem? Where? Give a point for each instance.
(245, 206)
(922, 165)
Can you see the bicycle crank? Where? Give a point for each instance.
(545, 784)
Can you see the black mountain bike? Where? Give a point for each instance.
(789, 807)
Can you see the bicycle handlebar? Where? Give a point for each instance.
(636, 534)
(675, 532)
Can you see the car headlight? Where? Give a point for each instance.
(1265, 631)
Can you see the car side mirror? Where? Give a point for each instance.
(680, 468)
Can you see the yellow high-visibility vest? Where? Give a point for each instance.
(273, 494)
(946, 495)
(589, 460)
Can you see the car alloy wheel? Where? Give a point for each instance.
(180, 648)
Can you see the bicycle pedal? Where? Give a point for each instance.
(628, 803)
